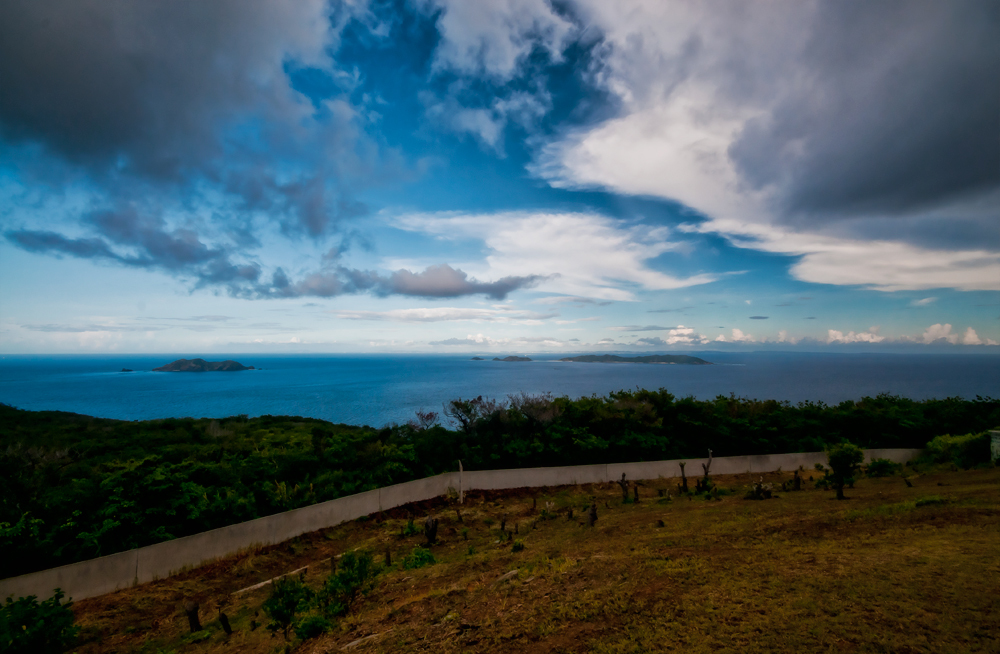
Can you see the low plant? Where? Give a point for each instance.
(517, 547)
(418, 558)
(28, 626)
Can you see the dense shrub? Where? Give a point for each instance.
(312, 626)
(418, 558)
(964, 451)
(289, 597)
(882, 468)
(28, 626)
(355, 576)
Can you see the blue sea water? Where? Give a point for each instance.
(377, 390)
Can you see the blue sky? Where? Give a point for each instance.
(499, 176)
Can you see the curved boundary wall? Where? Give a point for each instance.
(109, 573)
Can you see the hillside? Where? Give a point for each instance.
(892, 569)
(77, 487)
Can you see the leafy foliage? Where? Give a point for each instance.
(77, 487)
(882, 468)
(312, 626)
(355, 576)
(964, 451)
(844, 459)
(289, 597)
(418, 558)
(28, 626)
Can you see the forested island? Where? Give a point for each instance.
(200, 365)
(653, 358)
(77, 487)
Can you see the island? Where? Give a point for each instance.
(477, 359)
(511, 359)
(682, 359)
(127, 370)
(200, 365)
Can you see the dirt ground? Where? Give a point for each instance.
(892, 569)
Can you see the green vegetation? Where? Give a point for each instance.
(77, 487)
(289, 597)
(844, 460)
(28, 626)
(963, 451)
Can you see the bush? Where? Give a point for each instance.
(964, 451)
(288, 597)
(518, 546)
(31, 627)
(882, 468)
(355, 576)
(312, 626)
(418, 558)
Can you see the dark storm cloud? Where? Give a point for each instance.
(176, 96)
(445, 281)
(893, 108)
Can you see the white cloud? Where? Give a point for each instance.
(924, 302)
(737, 337)
(870, 336)
(583, 254)
(971, 337)
(939, 332)
(494, 38)
(441, 314)
(880, 265)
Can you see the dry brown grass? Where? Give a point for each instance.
(882, 572)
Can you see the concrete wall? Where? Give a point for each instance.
(109, 573)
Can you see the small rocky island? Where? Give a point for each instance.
(477, 359)
(681, 359)
(511, 359)
(200, 365)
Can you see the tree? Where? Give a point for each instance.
(288, 597)
(356, 576)
(844, 460)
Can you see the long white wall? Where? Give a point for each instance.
(109, 573)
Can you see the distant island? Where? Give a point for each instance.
(511, 359)
(478, 359)
(127, 370)
(200, 365)
(655, 358)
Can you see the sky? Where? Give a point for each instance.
(446, 176)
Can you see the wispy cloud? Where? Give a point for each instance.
(579, 254)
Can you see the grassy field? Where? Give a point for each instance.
(892, 569)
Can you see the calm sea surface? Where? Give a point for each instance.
(376, 390)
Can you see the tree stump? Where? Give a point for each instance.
(191, 610)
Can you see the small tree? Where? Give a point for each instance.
(844, 460)
(356, 577)
(288, 597)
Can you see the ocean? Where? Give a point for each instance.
(380, 389)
